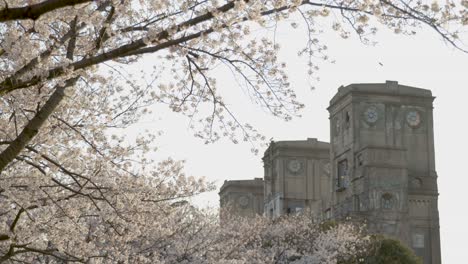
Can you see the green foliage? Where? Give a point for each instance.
(327, 225)
(386, 250)
(267, 244)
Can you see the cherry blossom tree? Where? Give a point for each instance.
(72, 186)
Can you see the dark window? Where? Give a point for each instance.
(347, 119)
(295, 206)
(360, 160)
(328, 213)
(387, 201)
(342, 176)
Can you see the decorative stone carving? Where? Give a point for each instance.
(243, 201)
(413, 118)
(388, 201)
(295, 166)
(416, 182)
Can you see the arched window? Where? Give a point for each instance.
(342, 175)
(388, 201)
(347, 120)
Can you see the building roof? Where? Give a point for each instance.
(256, 183)
(387, 88)
(309, 143)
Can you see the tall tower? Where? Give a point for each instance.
(297, 177)
(382, 162)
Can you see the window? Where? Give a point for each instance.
(387, 201)
(360, 160)
(418, 240)
(294, 206)
(347, 119)
(328, 213)
(342, 176)
(357, 203)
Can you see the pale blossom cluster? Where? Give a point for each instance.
(192, 38)
(291, 239)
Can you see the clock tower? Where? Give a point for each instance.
(382, 162)
(296, 177)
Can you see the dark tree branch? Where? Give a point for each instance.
(140, 46)
(33, 126)
(18, 215)
(31, 64)
(35, 11)
(72, 42)
(426, 20)
(37, 166)
(103, 36)
(133, 48)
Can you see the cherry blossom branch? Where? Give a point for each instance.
(34, 11)
(33, 126)
(426, 20)
(48, 252)
(32, 63)
(140, 46)
(102, 37)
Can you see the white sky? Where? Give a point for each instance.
(422, 61)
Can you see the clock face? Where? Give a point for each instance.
(413, 118)
(371, 115)
(294, 166)
(243, 201)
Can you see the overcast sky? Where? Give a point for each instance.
(421, 61)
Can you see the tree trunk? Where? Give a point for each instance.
(33, 126)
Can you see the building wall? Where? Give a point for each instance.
(242, 197)
(378, 167)
(383, 133)
(296, 177)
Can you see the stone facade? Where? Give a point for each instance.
(296, 177)
(382, 156)
(243, 197)
(379, 166)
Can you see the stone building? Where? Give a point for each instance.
(296, 177)
(243, 197)
(381, 166)
(382, 156)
